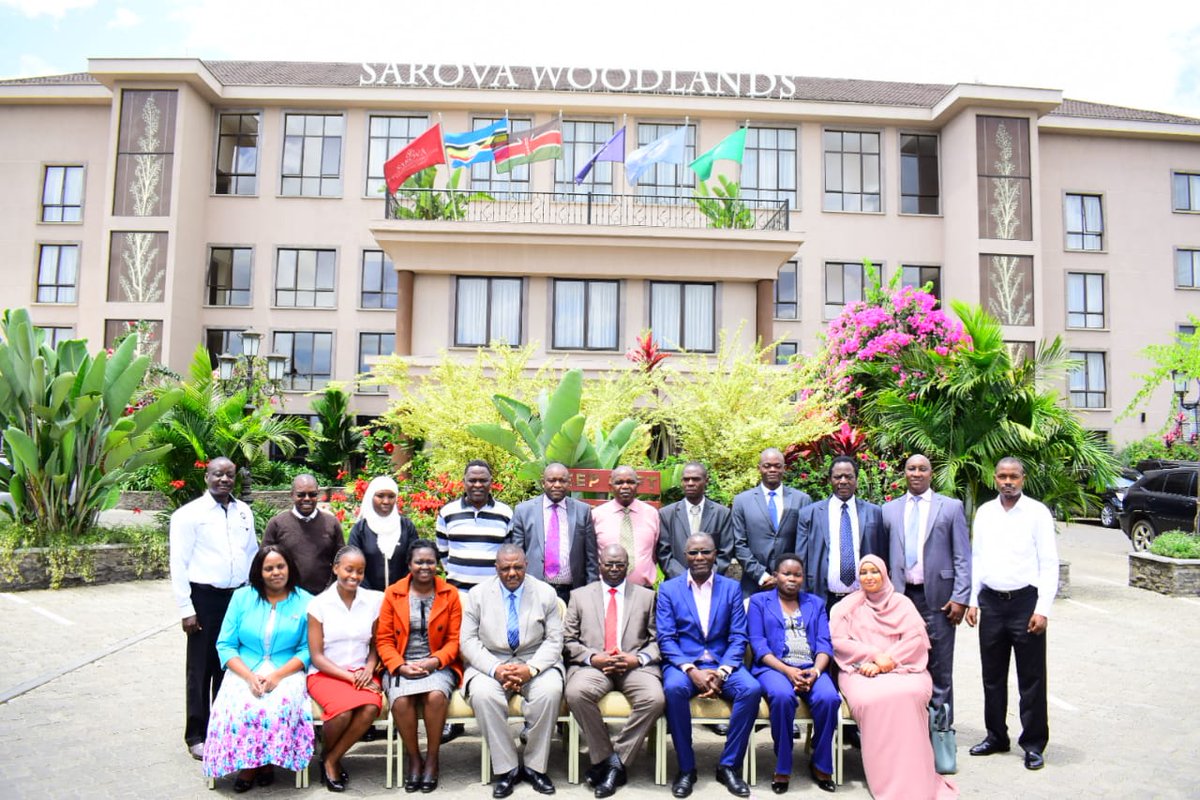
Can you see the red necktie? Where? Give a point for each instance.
(610, 622)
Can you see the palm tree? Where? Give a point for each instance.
(337, 437)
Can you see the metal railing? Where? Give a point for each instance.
(565, 208)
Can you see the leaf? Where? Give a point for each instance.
(563, 404)
(616, 442)
(498, 437)
(531, 470)
(23, 450)
(563, 444)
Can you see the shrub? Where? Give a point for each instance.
(1156, 447)
(1176, 544)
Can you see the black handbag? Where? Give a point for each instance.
(943, 739)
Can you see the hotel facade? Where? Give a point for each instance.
(209, 197)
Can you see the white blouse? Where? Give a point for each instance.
(347, 631)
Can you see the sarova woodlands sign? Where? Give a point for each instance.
(578, 79)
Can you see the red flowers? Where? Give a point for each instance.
(340, 514)
(389, 448)
(341, 475)
(645, 352)
(360, 488)
(179, 484)
(200, 464)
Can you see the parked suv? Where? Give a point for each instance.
(1161, 500)
(1113, 498)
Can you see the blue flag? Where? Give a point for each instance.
(477, 146)
(667, 149)
(613, 150)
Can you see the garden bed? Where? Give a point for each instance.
(155, 501)
(45, 567)
(1175, 577)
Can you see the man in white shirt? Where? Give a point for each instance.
(1014, 577)
(212, 542)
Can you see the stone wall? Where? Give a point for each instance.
(1177, 577)
(34, 568)
(154, 501)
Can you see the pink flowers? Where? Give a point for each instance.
(646, 352)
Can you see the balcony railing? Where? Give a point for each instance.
(562, 208)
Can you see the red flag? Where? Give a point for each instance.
(421, 153)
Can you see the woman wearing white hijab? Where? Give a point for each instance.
(383, 534)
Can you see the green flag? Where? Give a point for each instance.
(731, 148)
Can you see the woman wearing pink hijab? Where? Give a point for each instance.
(881, 648)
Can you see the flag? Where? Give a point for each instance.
(421, 153)
(731, 148)
(613, 150)
(666, 149)
(477, 146)
(536, 144)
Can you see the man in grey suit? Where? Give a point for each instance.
(764, 523)
(835, 533)
(564, 522)
(511, 640)
(695, 513)
(930, 562)
(609, 637)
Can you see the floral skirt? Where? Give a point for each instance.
(245, 731)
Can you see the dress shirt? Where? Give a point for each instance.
(777, 502)
(564, 537)
(702, 595)
(346, 632)
(917, 573)
(642, 658)
(504, 595)
(607, 520)
(303, 518)
(834, 572)
(1013, 549)
(697, 510)
(210, 544)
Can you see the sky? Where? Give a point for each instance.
(1144, 54)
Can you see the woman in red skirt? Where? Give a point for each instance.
(341, 641)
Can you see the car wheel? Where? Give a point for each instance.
(1108, 516)
(1142, 533)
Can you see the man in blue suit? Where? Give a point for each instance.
(702, 637)
(764, 522)
(835, 533)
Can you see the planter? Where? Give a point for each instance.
(154, 501)
(44, 568)
(1176, 577)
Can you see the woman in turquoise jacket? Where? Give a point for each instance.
(263, 716)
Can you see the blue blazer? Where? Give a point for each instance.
(768, 628)
(680, 638)
(246, 622)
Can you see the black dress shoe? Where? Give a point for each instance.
(540, 781)
(987, 747)
(779, 787)
(331, 784)
(851, 737)
(504, 783)
(429, 783)
(684, 783)
(728, 777)
(1034, 760)
(452, 732)
(595, 773)
(612, 779)
(720, 728)
(824, 784)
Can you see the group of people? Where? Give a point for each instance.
(838, 597)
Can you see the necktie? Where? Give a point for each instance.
(774, 512)
(847, 547)
(912, 533)
(694, 517)
(627, 536)
(514, 625)
(552, 544)
(610, 622)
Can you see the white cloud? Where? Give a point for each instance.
(123, 18)
(50, 8)
(34, 66)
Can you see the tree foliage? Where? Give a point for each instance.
(337, 438)
(1182, 356)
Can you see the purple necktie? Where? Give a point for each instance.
(552, 535)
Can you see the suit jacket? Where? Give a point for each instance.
(445, 620)
(813, 541)
(768, 630)
(947, 553)
(583, 628)
(680, 637)
(483, 640)
(529, 532)
(756, 543)
(674, 530)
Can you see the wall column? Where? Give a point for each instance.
(404, 311)
(764, 320)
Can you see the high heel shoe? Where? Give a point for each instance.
(332, 784)
(429, 783)
(412, 781)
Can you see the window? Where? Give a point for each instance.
(1183, 329)
(1186, 191)
(218, 341)
(369, 346)
(305, 278)
(1187, 269)
(667, 180)
(386, 136)
(918, 277)
(769, 165)
(309, 358)
(312, 155)
(1085, 300)
(683, 315)
(852, 180)
(378, 281)
(237, 154)
(487, 310)
(1085, 222)
(229, 276)
(785, 351)
(58, 273)
(581, 141)
(843, 284)
(787, 292)
(1088, 384)
(485, 178)
(586, 315)
(1181, 482)
(919, 178)
(56, 333)
(62, 194)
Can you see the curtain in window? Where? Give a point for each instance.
(699, 307)
(568, 314)
(602, 316)
(665, 314)
(470, 319)
(506, 310)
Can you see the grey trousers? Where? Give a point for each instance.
(541, 700)
(644, 691)
(941, 649)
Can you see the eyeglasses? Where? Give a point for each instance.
(699, 552)
(307, 494)
(614, 564)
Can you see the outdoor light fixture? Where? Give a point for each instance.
(227, 365)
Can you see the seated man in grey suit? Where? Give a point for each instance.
(556, 533)
(695, 513)
(609, 636)
(511, 641)
(931, 563)
(764, 523)
(833, 534)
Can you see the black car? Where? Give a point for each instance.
(1113, 498)
(1161, 500)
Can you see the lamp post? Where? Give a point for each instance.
(1181, 381)
(227, 366)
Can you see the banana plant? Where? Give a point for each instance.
(428, 203)
(723, 205)
(555, 432)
